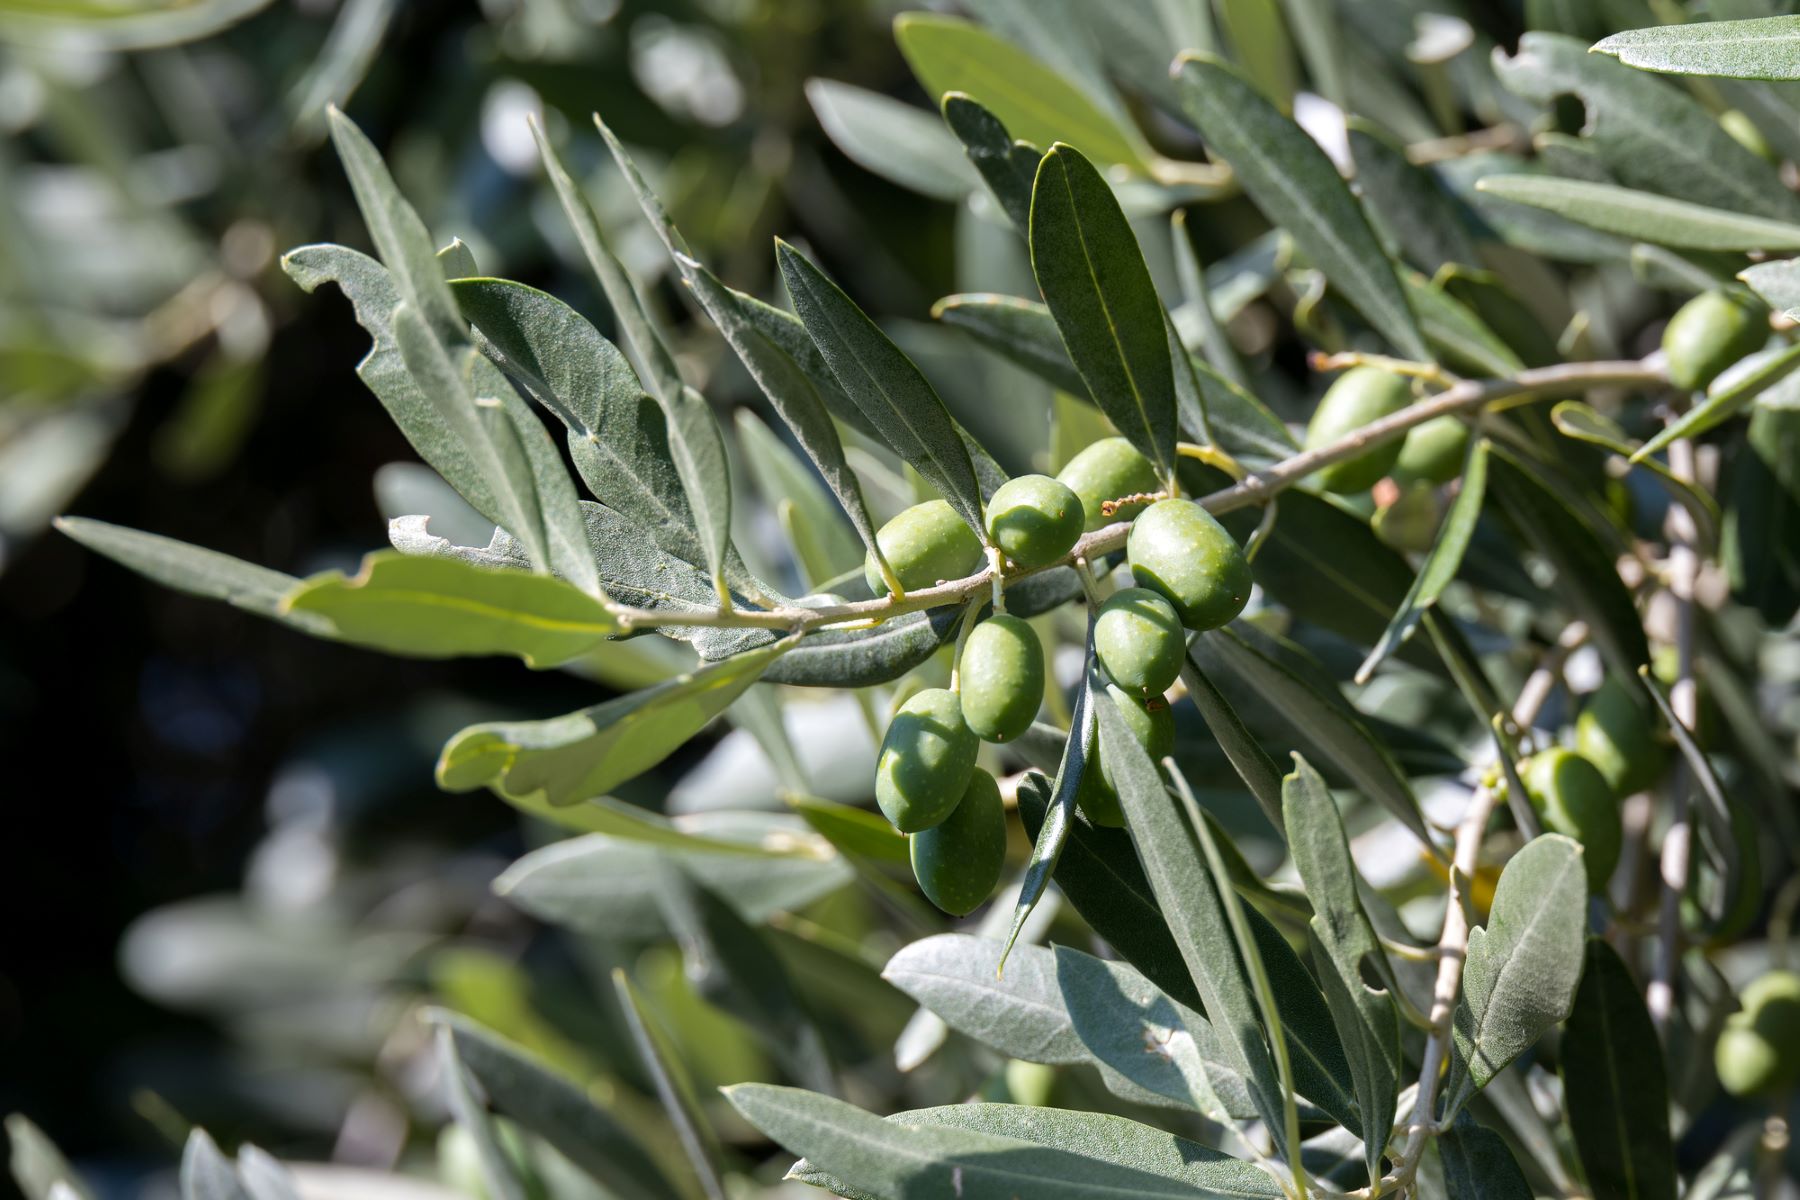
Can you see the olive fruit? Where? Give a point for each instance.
(1615, 734)
(1153, 725)
(924, 544)
(1709, 333)
(1572, 797)
(1411, 522)
(1139, 641)
(1034, 519)
(958, 861)
(1355, 398)
(925, 760)
(1433, 450)
(1759, 1049)
(1110, 468)
(1179, 550)
(1001, 678)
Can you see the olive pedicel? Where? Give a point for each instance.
(958, 861)
(1001, 678)
(1109, 469)
(1433, 450)
(1180, 551)
(1709, 333)
(1758, 1051)
(1034, 519)
(926, 757)
(1357, 397)
(1139, 641)
(1572, 797)
(1615, 734)
(1153, 725)
(924, 544)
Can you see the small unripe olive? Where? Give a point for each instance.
(1034, 519)
(1572, 797)
(1001, 678)
(1180, 551)
(1153, 725)
(1110, 468)
(1615, 734)
(925, 760)
(1139, 641)
(1759, 1048)
(1411, 521)
(1355, 398)
(1709, 333)
(924, 544)
(1433, 450)
(958, 861)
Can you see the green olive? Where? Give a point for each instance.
(1615, 734)
(1034, 519)
(926, 757)
(1572, 797)
(1759, 1049)
(1152, 723)
(1001, 678)
(1709, 333)
(1139, 641)
(1411, 522)
(958, 861)
(1355, 398)
(1180, 551)
(1108, 469)
(924, 544)
(1434, 450)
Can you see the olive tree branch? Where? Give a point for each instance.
(1259, 487)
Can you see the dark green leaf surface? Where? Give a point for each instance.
(885, 385)
(1455, 332)
(1616, 1089)
(1007, 166)
(674, 1087)
(1099, 291)
(1245, 753)
(1299, 189)
(1583, 422)
(555, 1109)
(1522, 969)
(1644, 215)
(861, 657)
(1441, 562)
(1019, 330)
(1759, 48)
(1407, 204)
(1478, 1165)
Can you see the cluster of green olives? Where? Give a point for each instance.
(1577, 792)
(1758, 1051)
(1190, 575)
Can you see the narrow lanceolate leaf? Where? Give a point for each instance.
(38, 1166)
(446, 608)
(1522, 969)
(1778, 283)
(1729, 396)
(1478, 1165)
(1441, 563)
(1019, 330)
(196, 571)
(699, 451)
(1717, 840)
(865, 1155)
(1032, 101)
(884, 385)
(1460, 337)
(1018, 1012)
(1617, 1091)
(1059, 817)
(1408, 205)
(674, 1087)
(399, 235)
(1367, 1020)
(206, 1174)
(584, 754)
(1099, 290)
(1297, 187)
(1758, 48)
(1204, 1171)
(1007, 166)
(499, 1173)
(1193, 906)
(1644, 215)
(554, 1108)
(891, 138)
(1322, 717)
(1244, 752)
(1584, 422)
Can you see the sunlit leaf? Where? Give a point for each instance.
(1759, 48)
(1645, 215)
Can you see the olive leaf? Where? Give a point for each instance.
(1246, 755)
(1757, 48)
(1778, 283)
(1099, 292)
(1478, 1165)
(1019, 330)
(1583, 422)
(1645, 215)
(674, 1086)
(1289, 177)
(1730, 394)
(206, 1174)
(891, 138)
(1008, 167)
(1407, 204)
(1017, 1011)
